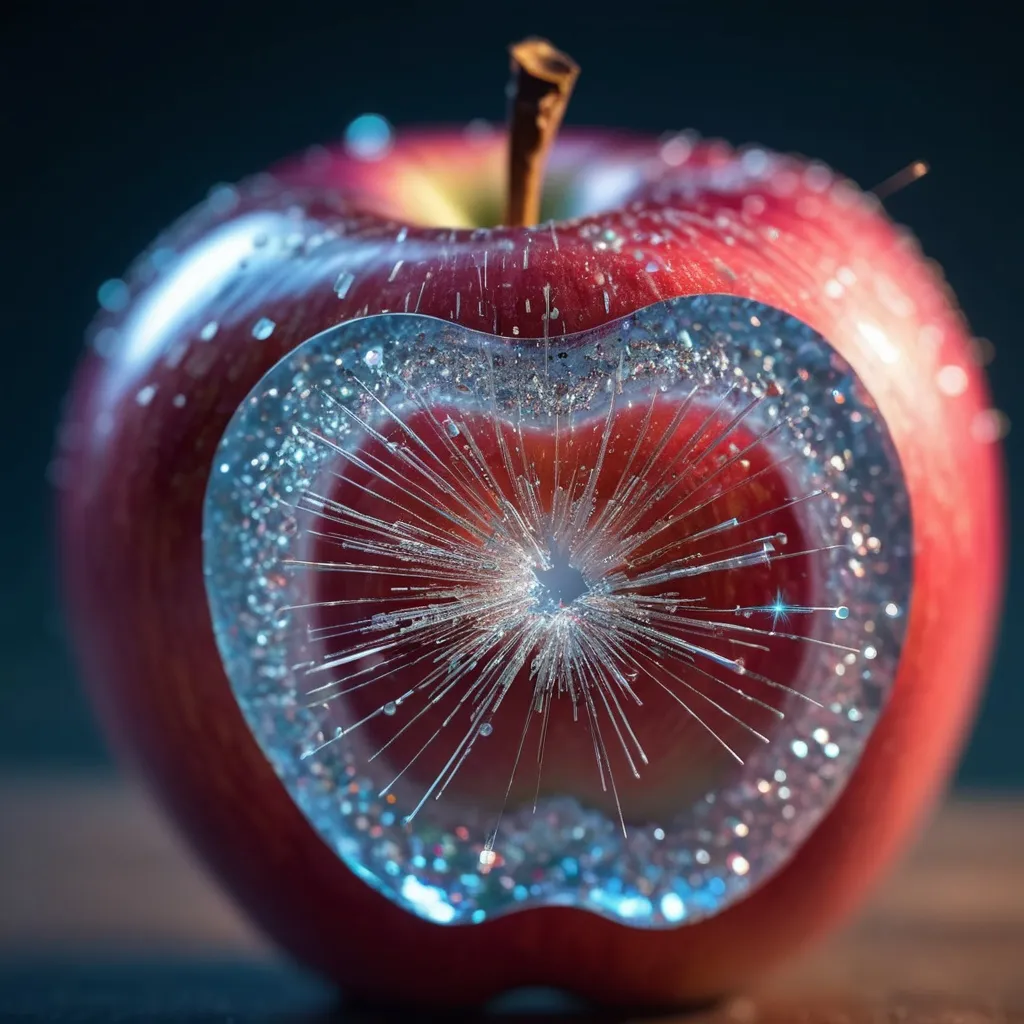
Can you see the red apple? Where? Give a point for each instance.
(256, 270)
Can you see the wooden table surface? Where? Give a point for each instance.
(103, 913)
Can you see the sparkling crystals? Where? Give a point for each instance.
(672, 908)
(462, 595)
(739, 864)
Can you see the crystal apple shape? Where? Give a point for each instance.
(603, 622)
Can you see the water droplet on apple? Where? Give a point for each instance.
(106, 342)
(369, 137)
(113, 295)
(263, 328)
(344, 281)
(222, 198)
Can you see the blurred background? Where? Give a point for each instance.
(115, 120)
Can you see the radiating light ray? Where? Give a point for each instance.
(410, 487)
(625, 478)
(645, 499)
(463, 530)
(707, 502)
(637, 651)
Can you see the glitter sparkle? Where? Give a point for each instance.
(550, 582)
(434, 523)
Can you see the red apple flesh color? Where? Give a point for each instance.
(685, 760)
(148, 410)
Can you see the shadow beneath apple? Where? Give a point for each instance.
(526, 1005)
(242, 991)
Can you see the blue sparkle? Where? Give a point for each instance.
(779, 610)
(429, 900)
(672, 907)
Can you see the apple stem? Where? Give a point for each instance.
(542, 83)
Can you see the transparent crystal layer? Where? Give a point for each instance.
(601, 622)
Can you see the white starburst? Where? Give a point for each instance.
(492, 574)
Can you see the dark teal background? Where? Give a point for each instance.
(114, 119)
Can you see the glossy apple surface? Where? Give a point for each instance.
(257, 270)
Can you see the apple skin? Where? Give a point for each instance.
(699, 217)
